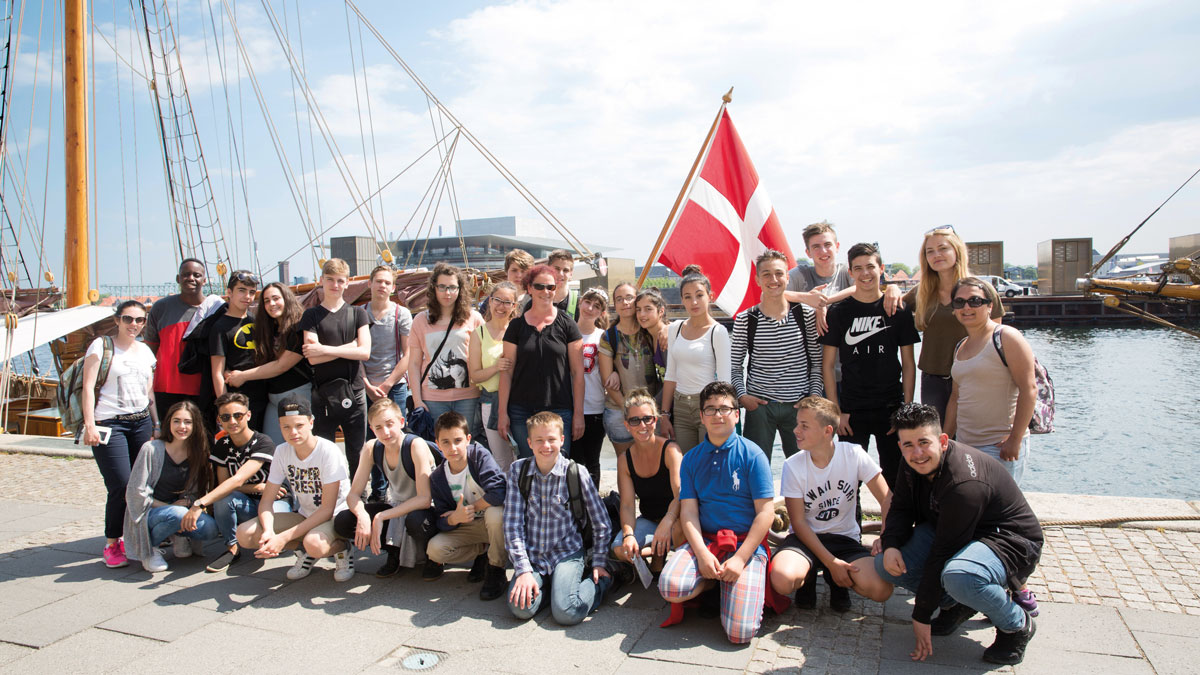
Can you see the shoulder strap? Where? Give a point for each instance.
(712, 341)
(436, 352)
(525, 480)
(575, 497)
(396, 330)
(797, 311)
(572, 301)
(377, 454)
(959, 346)
(106, 358)
(678, 332)
(998, 344)
(751, 327)
(406, 458)
(612, 335)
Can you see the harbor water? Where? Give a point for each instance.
(1126, 421)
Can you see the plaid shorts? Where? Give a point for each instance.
(741, 601)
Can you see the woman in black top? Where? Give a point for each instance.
(650, 472)
(546, 351)
(277, 354)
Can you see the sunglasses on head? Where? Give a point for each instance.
(544, 287)
(127, 319)
(940, 229)
(639, 421)
(247, 278)
(236, 417)
(974, 301)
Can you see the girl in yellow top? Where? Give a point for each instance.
(486, 360)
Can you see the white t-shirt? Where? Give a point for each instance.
(461, 481)
(126, 390)
(326, 464)
(831, 494)
(692, 364)
(593, 388)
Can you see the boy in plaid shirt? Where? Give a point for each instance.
(544, 544)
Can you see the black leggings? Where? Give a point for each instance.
(420, 525)
(586, 450)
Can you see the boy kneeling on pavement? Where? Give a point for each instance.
(468, 496)
(544, 541)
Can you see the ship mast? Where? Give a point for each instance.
(75, 145)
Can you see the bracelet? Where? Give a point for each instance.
(628, 535)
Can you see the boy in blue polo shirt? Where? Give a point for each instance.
(725, 493)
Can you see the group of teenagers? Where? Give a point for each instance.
(473, 433)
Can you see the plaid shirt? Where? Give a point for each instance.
(541, 533)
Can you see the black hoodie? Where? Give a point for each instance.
(970, 497)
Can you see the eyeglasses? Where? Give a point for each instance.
(723, 411)
(502, 303)
(544, 287)
(624, 298)
(127, 319)
(236, 417)
(940, 229)
(974, 301)
(443, 288)
(639, 421)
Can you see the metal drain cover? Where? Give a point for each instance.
(420, 661)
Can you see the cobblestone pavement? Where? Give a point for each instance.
(1140, 569)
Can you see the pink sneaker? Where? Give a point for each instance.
(114, 555)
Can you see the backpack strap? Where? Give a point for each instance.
(525, 480)
(797, 311)
(578, 509)
(396, 330)
(106, 358)
(572, 301)
(377, 454)
(751, 328)
(712, 341)
(406, 458)
(996, 342)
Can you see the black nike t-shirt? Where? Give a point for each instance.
(233, 338)
(868, 343)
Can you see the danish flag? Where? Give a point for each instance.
(726, 222)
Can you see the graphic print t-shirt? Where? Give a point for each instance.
(448, 378)
(336, 329)
(124, 392)
(260, 447)
(593, 388)
(233, 338)
(326, 464)
(831, 494)
(868, 342)
(462, 481)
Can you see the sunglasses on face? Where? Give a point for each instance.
(126, 319)
(236, 417)
(639, 421)
(442, 288)
(544, 287)
(973, 301)
(722, 411)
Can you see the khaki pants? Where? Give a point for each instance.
(466, 541)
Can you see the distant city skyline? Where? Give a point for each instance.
(1017, 122)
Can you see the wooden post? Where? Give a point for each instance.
(75, 143)
(683, 190)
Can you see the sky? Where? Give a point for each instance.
(1016, 121)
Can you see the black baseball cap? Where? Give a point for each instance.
(294, 405)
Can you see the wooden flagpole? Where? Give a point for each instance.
(683, 190)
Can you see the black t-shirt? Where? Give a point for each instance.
(868, 342)
(336, 329)
(233, 338)
(260, 447)
(541, 376)
(171, 481)
(298, 374)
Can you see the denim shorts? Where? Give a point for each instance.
(614, 426)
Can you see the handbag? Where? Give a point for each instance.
(335, 394)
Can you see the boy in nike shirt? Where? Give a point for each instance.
(876, 353)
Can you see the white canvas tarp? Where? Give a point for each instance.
(37, 329)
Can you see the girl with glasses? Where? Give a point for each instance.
(440, 342)
(278, 347)
(699, 348)
(122, 402)
(943, 259)
(546, 351)
(626, 363)
(649, 471)
(487, 362)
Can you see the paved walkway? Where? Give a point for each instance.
(1113, 601)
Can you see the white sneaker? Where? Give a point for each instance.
(197, 547)
(345, 566)
(181, 547)
(155, 563)
(302, 567)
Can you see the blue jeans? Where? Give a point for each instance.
(467, 407)
(643, 532)
(572, 594)
(114, 461)
(239, 507)
(164, 521)
(974, 577)
(520, 433)
(1016, 468)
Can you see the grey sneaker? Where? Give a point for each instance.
(181, 546)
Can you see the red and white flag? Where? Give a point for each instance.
(726, 222)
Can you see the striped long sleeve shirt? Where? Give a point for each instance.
(785, 363)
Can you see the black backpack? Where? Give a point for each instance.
(797, 311)
(406, 459)
(579, 513)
